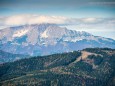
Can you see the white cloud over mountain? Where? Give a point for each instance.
(36, 19)
(92, 25)
(33, 19)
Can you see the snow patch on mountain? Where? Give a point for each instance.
(69, 39)
(15, 43)
(44, 39)
(20, 33)
(44, 34)
(75, 40)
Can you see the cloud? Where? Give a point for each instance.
(17, 20)
(33, 19)
(103, 3)
(96, 26)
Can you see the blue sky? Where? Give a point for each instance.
(69, 8)
(94, 16)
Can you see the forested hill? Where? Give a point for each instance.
(89, 67)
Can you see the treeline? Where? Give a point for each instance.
(62, 70)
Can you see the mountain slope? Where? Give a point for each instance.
(8, 57)
(89, 67)
(45, 39)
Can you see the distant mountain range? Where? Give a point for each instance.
(45, 39)
(88, 67)
(9, 57)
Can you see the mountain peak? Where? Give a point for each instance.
(46, 38)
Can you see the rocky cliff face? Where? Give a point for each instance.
(44, 39)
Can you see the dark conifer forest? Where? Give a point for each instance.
(89, 67)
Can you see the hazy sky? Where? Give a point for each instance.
(94, 16)
(69, 8)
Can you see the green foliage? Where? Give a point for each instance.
(97, 59)
(61, 70)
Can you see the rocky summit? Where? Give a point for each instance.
(45, 39)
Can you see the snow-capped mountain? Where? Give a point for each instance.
(44, 39)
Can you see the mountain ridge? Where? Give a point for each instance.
(45, 39)
(9, 57)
